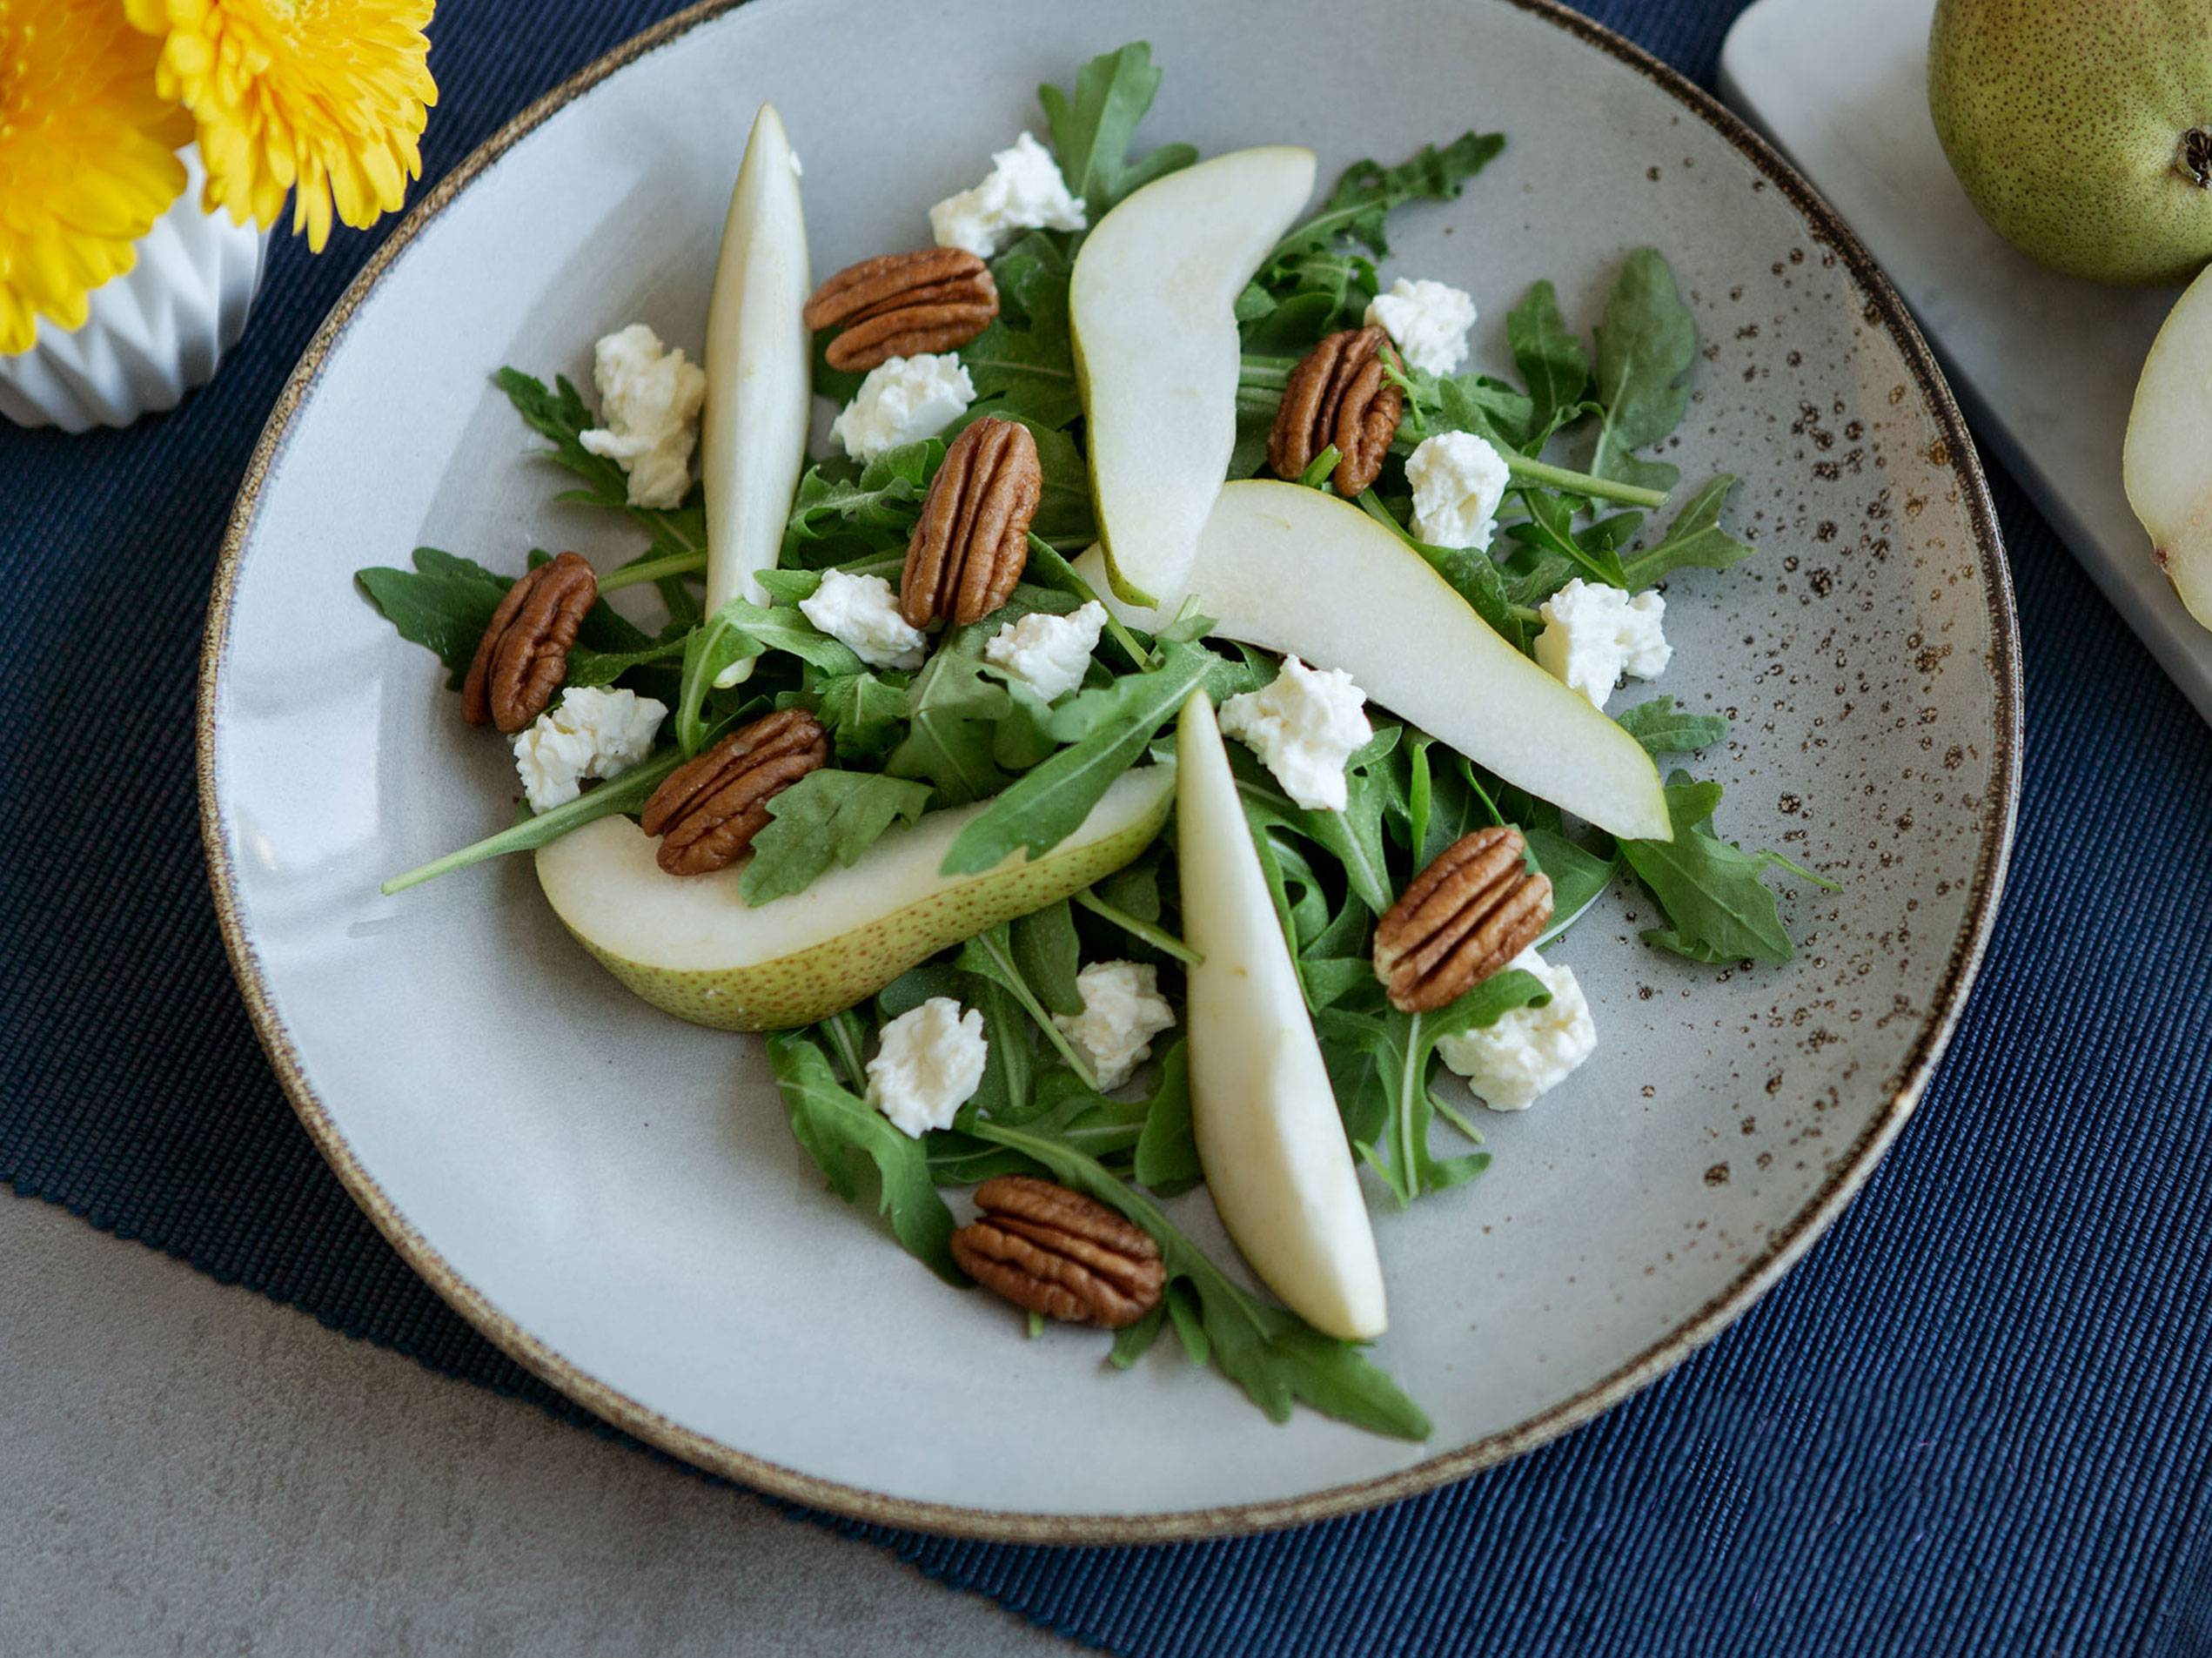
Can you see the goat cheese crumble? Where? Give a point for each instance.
(650, 398)
(1459, 482)
(589, 733)
(1024, 191)
(903, 400)
(1303, 727)
(1529, 1049)
(1593, 634)
(1427, 321)
(1049, 654)
(1123, 1011)
(861, 613)
(928, 1063)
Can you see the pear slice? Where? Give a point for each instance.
(760, 372)
(1293, 570)
(2165, 464)
(1268, 1134)
(1151, 308)
(692, 947)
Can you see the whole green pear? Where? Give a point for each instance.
(2082, 129)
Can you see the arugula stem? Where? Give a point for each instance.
(1050, 558)
(627, 793)
(1316, 472)
(1161, 940)
(846, 1036)
(1530, 470)
(1018, 987)
(653, 570)
(1264, 373)
(1453, 1116)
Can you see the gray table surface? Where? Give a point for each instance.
(189, 1468)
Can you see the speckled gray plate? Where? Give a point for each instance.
(613, 1196)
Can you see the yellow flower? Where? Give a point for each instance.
(87, 157)
(324, 99)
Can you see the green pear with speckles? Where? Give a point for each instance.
(2082, 129)
(692, 947)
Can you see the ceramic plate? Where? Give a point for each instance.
(614, 1198)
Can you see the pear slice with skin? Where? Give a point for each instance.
(1151, 310)
(1265, 1119)
(2166, 465)
(1293, 570)
(692, 947)
(759, 373)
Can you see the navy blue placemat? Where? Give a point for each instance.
(1978, 1419)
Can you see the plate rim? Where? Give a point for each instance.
(857, 1502)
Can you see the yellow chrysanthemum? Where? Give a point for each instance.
(326, 98)
(87, 157)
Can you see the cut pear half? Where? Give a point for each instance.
(1293, 570)
(1152, 309)
(760, 372)
(2166, 463)
(1268, 1134)
(692, 947)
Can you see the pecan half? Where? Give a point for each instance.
(972, 540)
(523, 656)
(708, 809)
(1461, 919)
(1339, 394)
(934, 298)
(1058, 1253)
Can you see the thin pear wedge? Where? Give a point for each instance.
(1290, 569)
(1262, 1111)
(692, 947)
(1152, 309)
(2165, 463)
(760, 372)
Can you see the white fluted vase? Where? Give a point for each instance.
(152, 333)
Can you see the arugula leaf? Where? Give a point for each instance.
(839, 1130)
(1550, 526)
(1550, 358)
(1273, 1355)
(864, 712)
(1694, 539)
(1366, 191)
(840, 506)
(1354, 835)
(951, 711)
(1646, 347)
(1474, 575)
(1049, 954)
(1392, 1132)
(588, 668)
(1709, 888)
(1665, 730)
(1577, 875)
(737, 633)
(825, 817)
(562, 415)
(1044, 808)
(1026, 368)
(990, 956)
(1091, 132)
(445, 602)
(1491, 409)
(1167, 1153)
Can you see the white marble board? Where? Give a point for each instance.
(2044, 366)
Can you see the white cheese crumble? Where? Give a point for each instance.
(1123, 1011)
(1427, 321)
(928, 1064)
(1304, 726)
(589, 733)
(649, 398)
(903, 400)
(1593, 634)
(1023, 192)
(1529, 1049)
(861, 613)
(1046, 653)
(1458, 482)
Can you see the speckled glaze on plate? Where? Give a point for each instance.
(613, 1196)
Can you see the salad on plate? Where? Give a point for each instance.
(1148, 747)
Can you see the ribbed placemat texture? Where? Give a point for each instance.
(1978, 1419)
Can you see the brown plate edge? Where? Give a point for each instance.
(1181, 1524)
